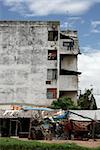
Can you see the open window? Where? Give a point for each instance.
(68, 41)
(52, 35)
(52, 54)
(69, 44)
(52, 93)
(51, 74)
(48, 82)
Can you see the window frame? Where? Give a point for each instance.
(52, 52)
(53, 92)
(52, 35)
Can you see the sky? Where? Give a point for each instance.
(80, 15)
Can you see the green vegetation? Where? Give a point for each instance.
(64, 103)
(14, 144)
(86, 100)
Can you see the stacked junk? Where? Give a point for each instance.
(48, 124)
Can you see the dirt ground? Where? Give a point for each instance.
(90, 143)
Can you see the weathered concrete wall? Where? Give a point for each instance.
(69, 62)
(69, 49)
(68, 83)
(72, 95)
(63, 49)
(23, 62)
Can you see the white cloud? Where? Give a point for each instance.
(46, 7)
(86, 34)
(89, 65)
(71, 21)
(88, 49)
(95, 26)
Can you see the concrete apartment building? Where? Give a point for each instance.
(38, 62)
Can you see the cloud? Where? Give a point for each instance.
(86, 34)
(95, 26)
(89, 65)
(88, 49)
(47, 7)
(71, 21)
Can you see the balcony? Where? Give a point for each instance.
(67, 48)
(69, 44)
(68, 83)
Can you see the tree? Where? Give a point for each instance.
(63, 103)
(87, 100)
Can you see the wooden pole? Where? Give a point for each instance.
(10, 128)
(0, 127)
(16, 128)
(93, 130)
(30, 126)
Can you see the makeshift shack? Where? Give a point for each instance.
(19, 122)
(85, 123)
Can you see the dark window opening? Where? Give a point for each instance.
(62, 93)
(69, 45)
(52, 35)
(48, 82)
(52, 74)
(51, 93)
(69, 72)
(52, 54)
(62, 36)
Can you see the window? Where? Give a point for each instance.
(52, 74)
(52, 35)
(51, 93)
(52, 54)
(48, 82)
(65, 44)
(69, 45)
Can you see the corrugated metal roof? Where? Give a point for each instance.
(88, 115)
(17, 114)
(25, 112)
(97, 100)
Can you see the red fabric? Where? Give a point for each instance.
(67, 126)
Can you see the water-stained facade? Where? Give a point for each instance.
(38, 62)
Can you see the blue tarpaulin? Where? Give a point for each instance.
(26, 108)
(62, 116)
